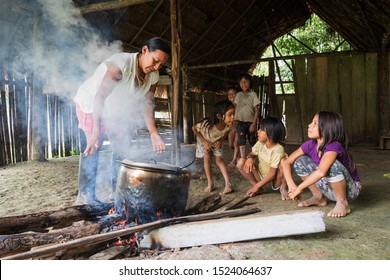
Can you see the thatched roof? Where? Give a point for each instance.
(229, 33)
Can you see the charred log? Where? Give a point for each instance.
(39, 222)
(18, 243)
(207, 204)
(109, 236)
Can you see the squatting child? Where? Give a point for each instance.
(325, 165)
(269, 151)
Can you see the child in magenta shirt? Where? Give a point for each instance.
(325, 165)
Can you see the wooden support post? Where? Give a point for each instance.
(175, 29)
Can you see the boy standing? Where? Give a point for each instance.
(247, 114)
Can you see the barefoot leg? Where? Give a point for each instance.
(284, 193)
(220, 163)
(341, 208)
(207, 169)
(317, 198)
(227, 189)
(281, 181)
(313, 201)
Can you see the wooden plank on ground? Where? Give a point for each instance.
(251, 227)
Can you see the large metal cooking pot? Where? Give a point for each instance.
(150, 191)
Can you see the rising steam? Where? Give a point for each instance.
(66, 48)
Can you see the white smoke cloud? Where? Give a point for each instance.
(68, 49)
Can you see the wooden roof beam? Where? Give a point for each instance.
(111, 5)
(238, 19)
(250, 61)
(147, 21)
(208, 29)
(232, 43)
(374, 38)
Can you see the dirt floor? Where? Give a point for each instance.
(363, 235)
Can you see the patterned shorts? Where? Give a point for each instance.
(201, 152)
(304, 166)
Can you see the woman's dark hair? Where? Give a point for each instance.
(274, 128)
(157, 43)
(331, 129)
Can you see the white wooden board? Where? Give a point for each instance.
(251, 227)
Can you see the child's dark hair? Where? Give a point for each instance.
(157, 43)
(331, 129)
(274, 128)
(232, 87)
(219, 110)
(246, 76)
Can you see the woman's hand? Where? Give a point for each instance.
(92, 144)
(157, 143)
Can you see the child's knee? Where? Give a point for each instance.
(240, 163)
(218, 159)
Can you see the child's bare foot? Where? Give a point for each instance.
(227, 189)
(209, 189)
(232, 164)
(340, 210)
(313, 201)
(284, 193)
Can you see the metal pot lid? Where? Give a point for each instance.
(153, 166)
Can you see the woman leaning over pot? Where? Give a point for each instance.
(113, 101)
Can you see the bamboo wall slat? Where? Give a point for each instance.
(321, 81)
(4, 127)
(333, 87)
(371, 98)
(2, 139)
(16, 123)
(358, 103)
(300, 69)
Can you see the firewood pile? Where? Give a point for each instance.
(93, 232)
